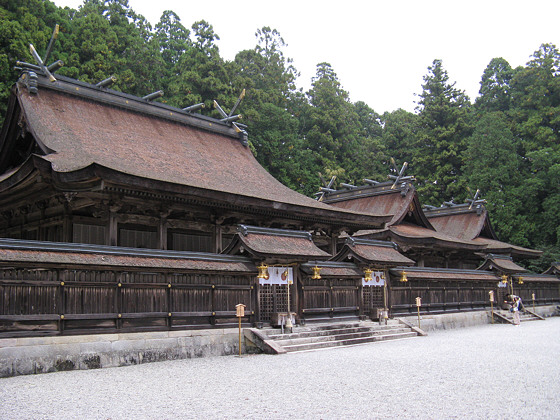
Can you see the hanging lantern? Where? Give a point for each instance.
(520, 280)
(504, 279)
(316, 271)
(263, 272)
(367, 274)
(404, 279)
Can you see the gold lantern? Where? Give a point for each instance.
(520, 280)
(263, 272)
(404, 279)
(504, 279)
(316, 273)
(367, 274)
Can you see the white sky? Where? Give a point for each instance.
(380, 50)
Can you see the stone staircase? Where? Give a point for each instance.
(506, 317)
(328, 335)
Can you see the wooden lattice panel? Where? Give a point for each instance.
(273, 298)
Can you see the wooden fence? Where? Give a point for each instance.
(444, 291)
(54, 301)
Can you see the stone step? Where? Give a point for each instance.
(341, 336)
(348, 342)
(325, 319)
(328, 331)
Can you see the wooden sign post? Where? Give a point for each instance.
(491, 294)
(240, 313)
(533, 296)
(418, 304)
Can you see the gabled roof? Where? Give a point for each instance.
(473, 223)
(409, 227)
(274, 244)
(501, 264)
(90, 133)
(553, 269)
(409, 236)
(373, 252)
(461, 221)
(401, 203)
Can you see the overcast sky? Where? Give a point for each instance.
(380, 50)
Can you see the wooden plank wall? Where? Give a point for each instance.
(439, 296)
(54, 301)
(330, 297)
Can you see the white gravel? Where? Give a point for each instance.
(486, 372)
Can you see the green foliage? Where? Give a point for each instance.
(495, 87)
(445, 123)
(507, 144)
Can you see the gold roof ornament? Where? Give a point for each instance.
(367, 274)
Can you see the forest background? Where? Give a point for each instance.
(506, 143)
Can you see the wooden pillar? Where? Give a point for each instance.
(162, 233)
(112, 229)
(217, 238)
(332, 247)
(67, 226)
(295, 308)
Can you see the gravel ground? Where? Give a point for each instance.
(494, 371)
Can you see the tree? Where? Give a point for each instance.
(400, 131)
(493, 166)
(173, 38)
(444, 115)
(494, 90)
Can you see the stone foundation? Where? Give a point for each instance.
(23, 356)
(467, 319)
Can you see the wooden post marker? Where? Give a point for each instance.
(418, 304)
(240, 313)
(533, 296)
(491, 293)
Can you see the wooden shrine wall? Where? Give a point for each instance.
(441, 296)
(53, 301)
(329, 297)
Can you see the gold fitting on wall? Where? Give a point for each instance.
(120, 285)
(404, 278)
(62, 283)
(520, 280)
(61, 316)
(213, 287)
(169, 285)
(213, 313)
(316, 273)
(367, 274)
(504, 279)
(169, 314)
(263, 272)
(120, 316)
